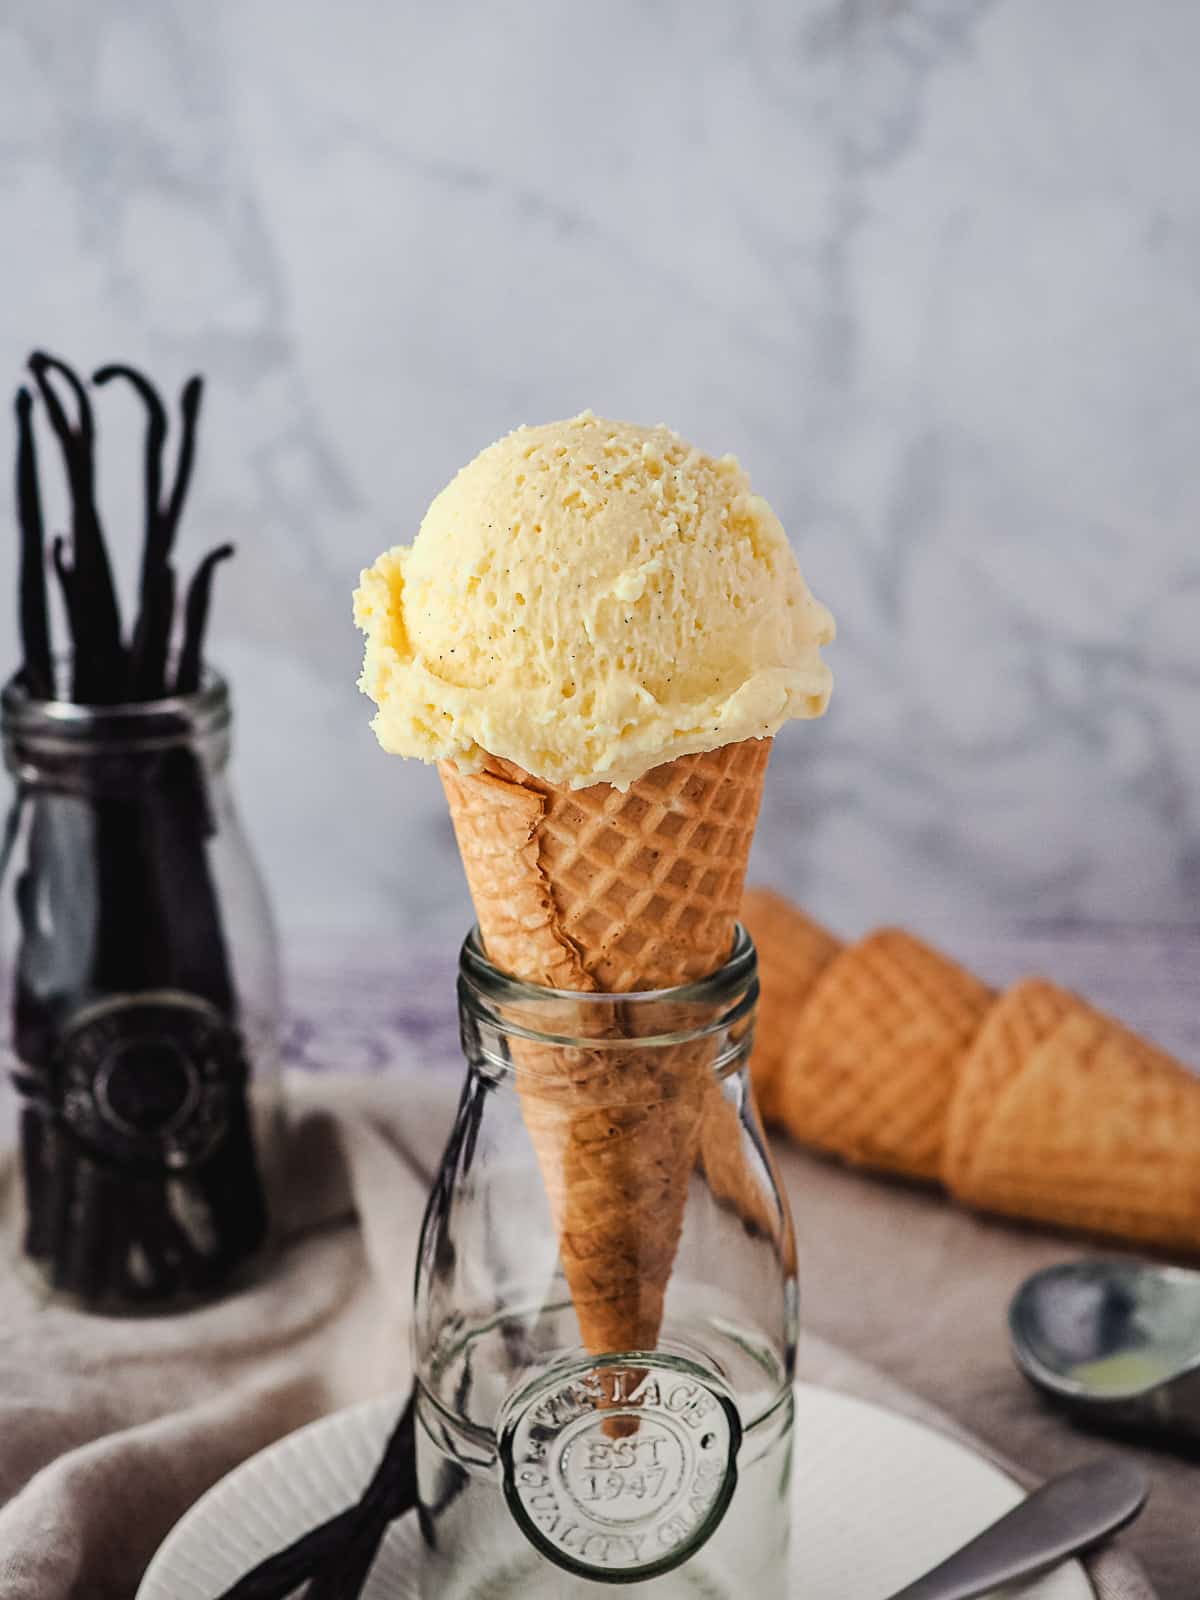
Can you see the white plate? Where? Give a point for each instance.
(877, 1500)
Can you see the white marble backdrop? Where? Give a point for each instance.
(930, 268)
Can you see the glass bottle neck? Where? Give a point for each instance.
(513, 1026)
(60, 741)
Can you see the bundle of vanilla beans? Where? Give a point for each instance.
(125, 833)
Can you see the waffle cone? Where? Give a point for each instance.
(599, 890)
(872, 1067)
(1012, 1031)
(1031, 1103)
(793, 951)
(1097, 1130)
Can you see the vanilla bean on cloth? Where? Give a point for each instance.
(335, 1558)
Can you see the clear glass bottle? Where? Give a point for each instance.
(548, 1463)
(140, 1003)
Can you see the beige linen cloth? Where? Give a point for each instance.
(110, 1429)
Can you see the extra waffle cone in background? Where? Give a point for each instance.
(793, 951)
(1030, 1103)
(1012, 1031)
(876, 1053)
(1094, 1129)
(599, 889)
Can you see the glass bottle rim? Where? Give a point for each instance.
(602, 1020)
(63, 726)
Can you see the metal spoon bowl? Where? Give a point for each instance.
(1117, 1343)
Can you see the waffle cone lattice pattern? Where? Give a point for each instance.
(1030, 1103)
(599, 890)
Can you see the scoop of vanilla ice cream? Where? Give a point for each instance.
(590, 599)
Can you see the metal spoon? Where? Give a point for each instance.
(1063, 1518)
(1117, 1343)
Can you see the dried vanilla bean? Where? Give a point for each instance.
(152, 631)
(189, 408)
(100, 659)
(35, 622)
(196, 620)
(73, 599)
(334, 1559)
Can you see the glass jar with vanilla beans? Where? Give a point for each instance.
(140, 997)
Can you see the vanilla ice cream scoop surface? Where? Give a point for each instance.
(590, 599)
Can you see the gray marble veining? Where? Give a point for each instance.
(929, 267)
